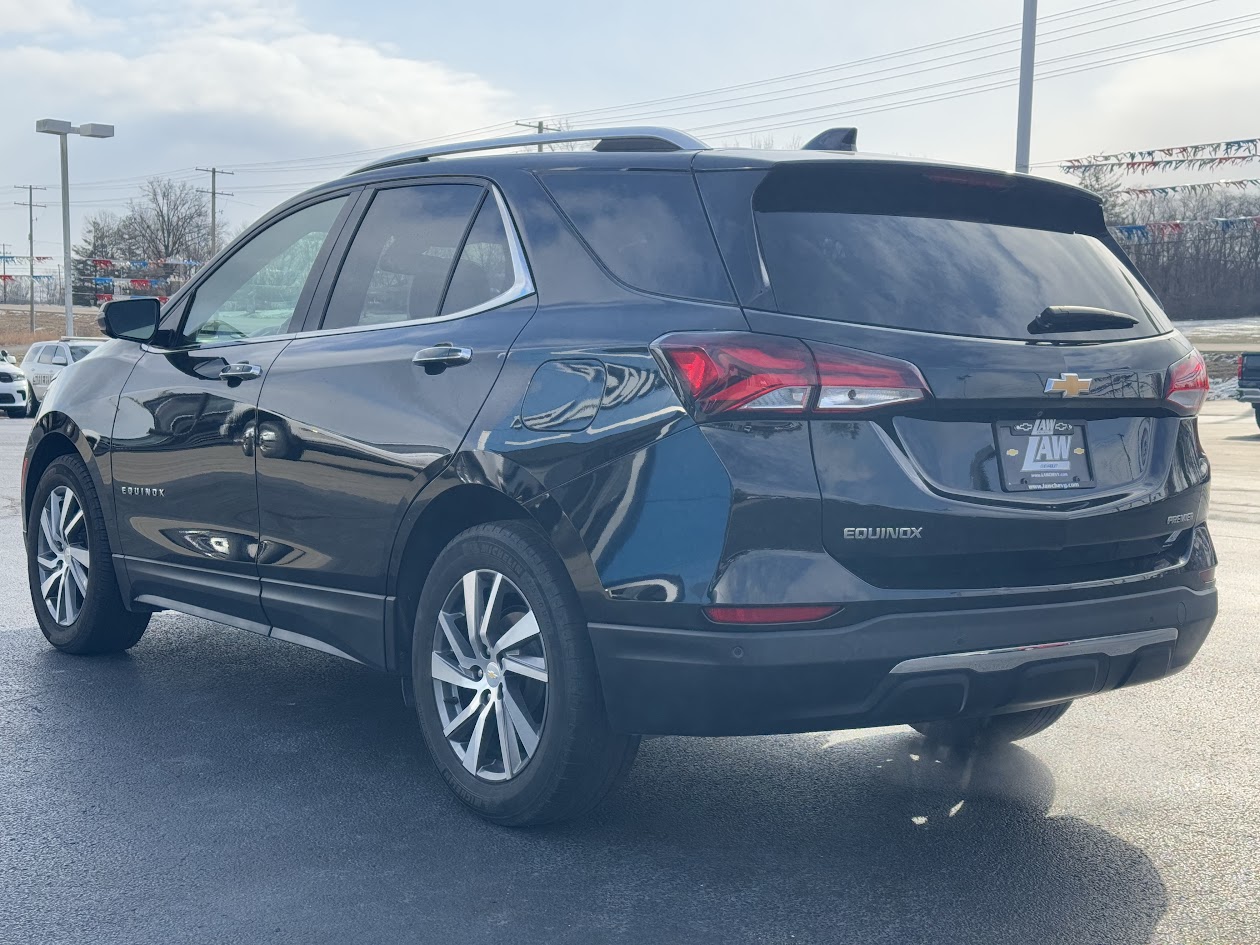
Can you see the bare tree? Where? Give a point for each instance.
(170, 220)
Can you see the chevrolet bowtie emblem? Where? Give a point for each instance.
(1069, 385)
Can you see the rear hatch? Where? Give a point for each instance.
(1044, 448)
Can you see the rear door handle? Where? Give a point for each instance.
(242, 371)
(445, 355)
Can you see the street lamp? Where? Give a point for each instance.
(63, 129)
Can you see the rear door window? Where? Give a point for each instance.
(940, 251)
(402, 257)
(647, 227)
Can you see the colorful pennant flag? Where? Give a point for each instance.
(1198, 188)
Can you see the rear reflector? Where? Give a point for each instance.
(1188, 382)
(767, 615)
(735, 371)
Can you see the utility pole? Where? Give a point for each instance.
(30, 237)
(214, 192)
(4, 272)
(1027, 62)
(539, 126)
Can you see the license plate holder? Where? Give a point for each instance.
(1042, 455)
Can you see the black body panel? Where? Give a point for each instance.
(183, 462)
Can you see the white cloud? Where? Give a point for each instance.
(255, 61)
(47, 16)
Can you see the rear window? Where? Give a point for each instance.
(940, 251)
(647, 227)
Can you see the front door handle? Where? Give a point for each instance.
(444, 355)
(242, 371)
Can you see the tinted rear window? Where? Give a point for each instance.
(647, 227)
(940, 251)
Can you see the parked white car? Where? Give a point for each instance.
(15, 392)
(45, 360)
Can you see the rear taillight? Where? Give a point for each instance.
(746, 373)
(1240, 365)
(1188, 382)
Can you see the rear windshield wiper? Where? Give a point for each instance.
(1078, 318)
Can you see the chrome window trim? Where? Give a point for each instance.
(522, 287)
(1012, 657)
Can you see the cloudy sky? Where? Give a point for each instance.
(290, 92)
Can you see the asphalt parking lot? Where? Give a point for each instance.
(213, 786)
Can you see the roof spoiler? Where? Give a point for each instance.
(833, 139)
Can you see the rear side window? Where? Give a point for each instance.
(402, 255)
(647, 227)
(32, 355)
(940, 251)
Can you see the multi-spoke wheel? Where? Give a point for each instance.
(489, 671)
(62, 555)
(505, 680)
(71, 571)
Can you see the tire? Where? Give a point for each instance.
(16, 414)
(1258, 415)
(32, 404)
(992, 729)
(576, 759)
(100, 623)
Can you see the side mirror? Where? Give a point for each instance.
(130, 319)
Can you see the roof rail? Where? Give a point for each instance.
(630, 138)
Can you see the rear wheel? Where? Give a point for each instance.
(505, 682)
(1258, 415)
(16, 414)
(993, 729)
(71, 569)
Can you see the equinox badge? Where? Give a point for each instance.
(1069, 385)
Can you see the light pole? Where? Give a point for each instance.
(1027, 63)
(63, 130)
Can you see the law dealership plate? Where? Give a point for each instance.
(1043, 454)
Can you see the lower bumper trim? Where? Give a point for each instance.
(1007, 658)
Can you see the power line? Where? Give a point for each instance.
(957, 40)
(905, 70)
(845, 105)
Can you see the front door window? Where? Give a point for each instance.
(257, 290)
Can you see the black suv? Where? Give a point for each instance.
(648, 439)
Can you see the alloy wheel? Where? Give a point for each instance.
(489, 668)
(62, 555)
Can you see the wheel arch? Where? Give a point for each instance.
(473, 490)
(57, 435)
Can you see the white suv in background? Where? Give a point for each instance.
(44, 361)
(15, 393)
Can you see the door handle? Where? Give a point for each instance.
(241, 371)
(444, 355)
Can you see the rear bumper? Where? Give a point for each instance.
(1250, 395)
(914, 667)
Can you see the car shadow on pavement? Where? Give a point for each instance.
(253, 792)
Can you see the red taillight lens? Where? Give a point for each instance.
(721, 372)
(858, 380)
(1188, 382)
(725, 371)
(805, 613)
